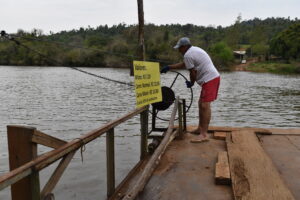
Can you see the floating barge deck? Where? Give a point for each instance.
(236, 163)
(264, 164)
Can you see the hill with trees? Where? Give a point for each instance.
(116, 46)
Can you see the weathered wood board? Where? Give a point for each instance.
(253, 175)
(220, 135)
(222, 172)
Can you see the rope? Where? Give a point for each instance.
(49, 196)
(82, 148)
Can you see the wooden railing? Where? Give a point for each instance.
(25, 164)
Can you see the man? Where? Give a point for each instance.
(202, 71)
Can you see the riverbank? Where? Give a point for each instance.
(270, 67)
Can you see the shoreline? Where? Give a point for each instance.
(250, 66)
(292, 68)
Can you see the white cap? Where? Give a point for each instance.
(182, 42)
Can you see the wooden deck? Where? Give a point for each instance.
(264, 164)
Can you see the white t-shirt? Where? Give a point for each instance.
(198, 59)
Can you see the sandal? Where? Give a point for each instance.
(194, 132)
(199, 140)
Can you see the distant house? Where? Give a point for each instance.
(240, 55)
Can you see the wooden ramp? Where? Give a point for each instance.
(187, 170)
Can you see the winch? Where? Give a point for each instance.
(168, 98)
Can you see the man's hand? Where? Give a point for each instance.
(165, 69)
(189, 84)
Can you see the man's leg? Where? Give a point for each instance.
(209, 93)
(204, 118)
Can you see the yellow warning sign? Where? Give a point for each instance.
(147, 83)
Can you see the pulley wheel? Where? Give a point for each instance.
(168, 98)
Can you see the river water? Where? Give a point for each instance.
(66, 104)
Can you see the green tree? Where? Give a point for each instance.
(222, 55)
(121, 42)
(233, 34)
(287, 43)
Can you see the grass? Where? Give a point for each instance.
(275, 67)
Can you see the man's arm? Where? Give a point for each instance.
(193, 75)
(177, 66)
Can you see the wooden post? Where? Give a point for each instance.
(144, 133)
(141, 30)
(22, 150)
(180, 121)
(184, 114)
(141, 46)
(110, 160)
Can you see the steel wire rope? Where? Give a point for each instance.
(10, 38)
(191, 91)
(131, 57)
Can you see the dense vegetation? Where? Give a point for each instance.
(116, 46)
(287, 43)
(275, 67)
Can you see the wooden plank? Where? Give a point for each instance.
(285, 153)
(126, 182)
(184, 114)
(110, 162)
(144, 119)
(155, 158)
(253, 175)
(22, 150)
(57, 174)
(150, 167)
(220, 135)
(267, 131)
(22, 173)
(222, 172)
(180, 121)
(277, 131)
(222, 157)
(47, 140)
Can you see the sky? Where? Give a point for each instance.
(59, 15)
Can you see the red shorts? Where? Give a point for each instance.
(210, 90)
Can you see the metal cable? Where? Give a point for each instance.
(8, 37)
(78, 47)
(192, 96)
(131, 57)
